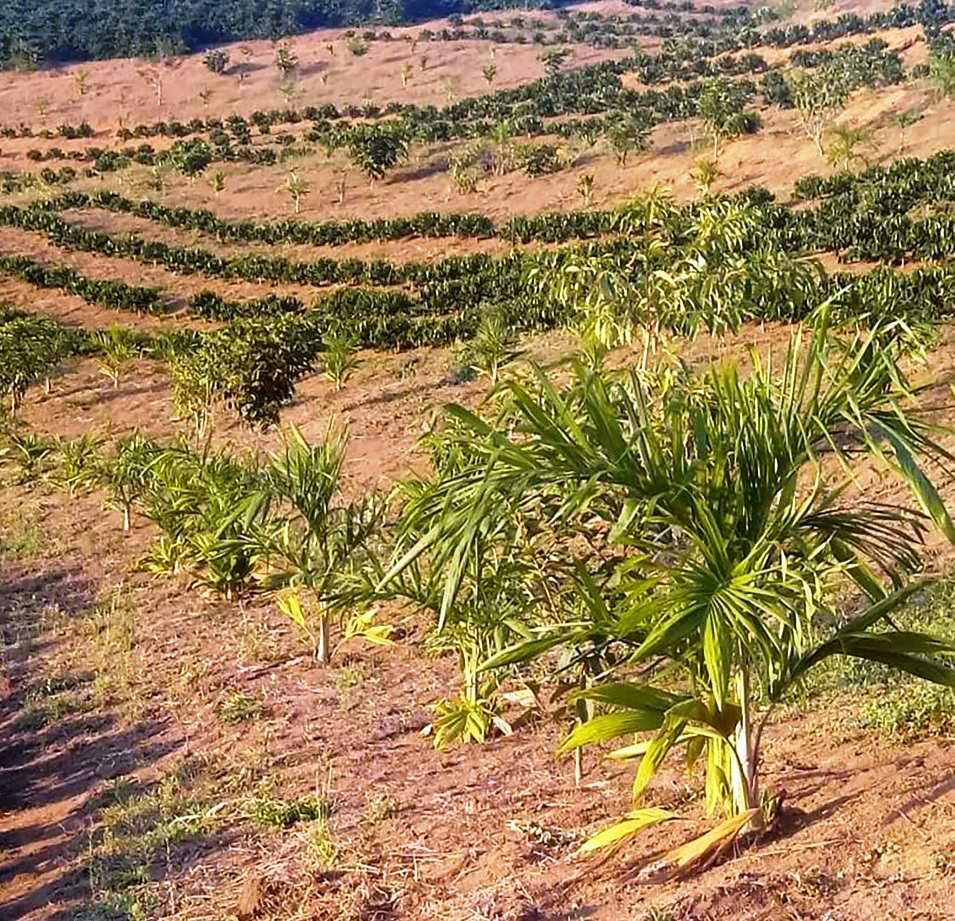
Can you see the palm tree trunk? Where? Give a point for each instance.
(323, 652)
(745, 778)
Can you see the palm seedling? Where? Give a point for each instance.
(585, 189)
(505, 578)
(846, 145)
(78, 463)
(297, 189)
(315, 543)
(494, 345)
(904, 121)
(941, 73)
(125, 474)
(208, 508)
(501, 137)
(728, 547)
(117, 349)
(339, 358)
(32, 453)
(704, 173)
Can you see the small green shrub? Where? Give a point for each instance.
(239, 708)
(277, 813)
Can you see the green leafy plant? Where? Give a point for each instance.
(375, 149)
(554, 59)
(118, 348)
(941, 73)
(125, 474)
(239, 708)
(704, 173)
(495, 345)
(626, 135)
(818, 96)
(297, 189)
(847, 145)
(339, 358)
(78, 463)
(286, 62)
(216, 60)
(720, 106)
(730, 544)
(278, 813)
(316, 547)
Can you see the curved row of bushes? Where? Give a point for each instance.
(116, 295)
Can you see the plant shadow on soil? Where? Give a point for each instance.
(53, 772)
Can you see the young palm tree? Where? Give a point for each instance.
(495, 344)
(905, 120)
(117, 352)
(318, 544)
(704, 173)
(125, 474)
(719, 532)
(846, 145)
(297, 189)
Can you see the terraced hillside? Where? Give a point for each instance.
(493, 467)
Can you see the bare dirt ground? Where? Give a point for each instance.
(126, 88)
(116, 761)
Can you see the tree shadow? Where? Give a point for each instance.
(53, 770)
(434, 166)
(919, 800)
(314, 67)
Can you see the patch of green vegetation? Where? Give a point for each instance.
(239, 708)
(321, 845)
(50, 701)
(889, 701)
(139, 831)
(21, 536)
(37, 714)
(380, 807)
(349, 676)
(915, 710)
(277, 813)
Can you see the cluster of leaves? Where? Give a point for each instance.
(373, 148)
(251, 367)
(12, 182)
(33, 347)
(587, 27)
(716, 263)
(237, 523)
(66, 130)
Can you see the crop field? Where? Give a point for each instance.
(496, 467)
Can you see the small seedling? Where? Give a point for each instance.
(239, 708)
(278, 813)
